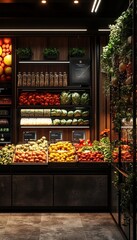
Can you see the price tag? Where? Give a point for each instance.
(76, 135)
(29, 135)
(55, 136)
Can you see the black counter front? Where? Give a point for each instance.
(55, 187)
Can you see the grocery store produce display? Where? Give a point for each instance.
(62, 152)
(7, 154)
(41, 151)
(32, 151)
(97, 151)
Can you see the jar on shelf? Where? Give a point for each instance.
(55, 79)
(65, 79)
(46, 79)
(29, 79)
(24, 79)
(60, 79)
(37, 80)
(33, 79)
(51, 80)
(42, 83)
(19, 79)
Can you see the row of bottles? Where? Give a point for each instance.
(42, 79)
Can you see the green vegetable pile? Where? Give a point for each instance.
(6, 154)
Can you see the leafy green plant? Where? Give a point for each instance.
(24, 53)
(50, 52)
(126, 189)
(116, 45)
(76, 52)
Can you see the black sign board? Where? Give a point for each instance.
(29, 135)
(79, 72)
(76, 135)
(55, 136)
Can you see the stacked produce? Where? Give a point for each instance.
(5, 59)
(97, 151)
(74, 98)
(126, 154)
(6, 154)
(33, 152)
(35, 98)
(61, 152)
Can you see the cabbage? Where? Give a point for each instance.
(70, 113)
(84, 98)
(69, 122)
(74, 121)
(56, 122)
(65, 98)
(63, 121)
(75, 98)
(77, 113)
(85, 114)
(63, 113)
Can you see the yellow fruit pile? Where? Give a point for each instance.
(61, 152)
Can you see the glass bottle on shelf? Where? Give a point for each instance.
(46, 79)
(24, 79)
(60, 79)
(65, 79)
(37, 79)
(19, 79)
(42, 80)
(33, 79)
(29, 79)
(55, 79)
(51, 79)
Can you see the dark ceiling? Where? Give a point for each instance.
(59, 13)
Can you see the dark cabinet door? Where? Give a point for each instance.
(32, 190)
(5, 190)
(81, 190)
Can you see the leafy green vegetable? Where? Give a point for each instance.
(75, 98)
(65, 97)
(84, 98)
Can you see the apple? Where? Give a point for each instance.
(8, 60)
(8, 70)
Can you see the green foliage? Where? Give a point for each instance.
(50, 52)
(24, 52)
(76, 52)
(116, 44)
(126, 189)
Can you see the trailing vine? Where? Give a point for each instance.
(126, 190)
(116, 63)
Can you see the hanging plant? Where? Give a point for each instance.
(116, 63)
(117, 43)
(126, 188)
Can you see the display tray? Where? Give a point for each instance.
(28, 158)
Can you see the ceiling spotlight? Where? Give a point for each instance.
(76, 1)
(43, 1)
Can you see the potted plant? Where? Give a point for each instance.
(24, 53)
(50, 53)
(76, 52)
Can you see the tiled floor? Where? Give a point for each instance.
(58, 226)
